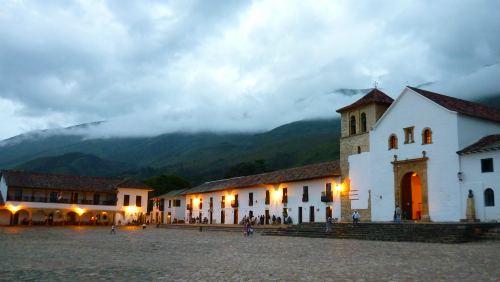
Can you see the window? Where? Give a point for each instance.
(200, 205)
(161, 206)
(74, 197)
(487, 165)
(223, 202)
(177, 203)
(138, 201)
(169, 203)
(267, 197)
(97, 198)
(250, 199)
(426, 136)
(353, 125)
(363, 122)
(284, 199)
(489, 198)
(409, 135)
(211, 203)
(305, 194)
(393, 142)
(126, 200)
(359, 149)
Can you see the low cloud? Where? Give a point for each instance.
(150, 67)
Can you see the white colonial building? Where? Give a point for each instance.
(305, 194)
(40, 198)
(422, 152)
(413, 159)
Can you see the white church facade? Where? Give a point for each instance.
(422, 152)
(415, 161)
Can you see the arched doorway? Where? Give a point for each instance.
(5, 217)
(71, 218)
(411, 196)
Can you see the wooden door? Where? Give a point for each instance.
(222, 217)
(300, 215)
(267, 217)
(235, 220)
(311, 214)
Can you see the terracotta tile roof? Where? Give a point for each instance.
(132, 183)
(35, 180)
(314, 171)
(374, 96)
(173, 193)
(487, 143)
(461, 106)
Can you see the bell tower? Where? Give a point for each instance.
(356, 122)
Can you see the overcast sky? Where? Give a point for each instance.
(149, 67)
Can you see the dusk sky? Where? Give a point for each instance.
(149, 67)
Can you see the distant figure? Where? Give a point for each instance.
(328, 225)
(355, 217)
(144, 226)
(397, 214)
(113, 229)
(274, 219)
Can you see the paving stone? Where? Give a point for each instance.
(133, 254)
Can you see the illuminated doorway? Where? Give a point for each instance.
(411, 196)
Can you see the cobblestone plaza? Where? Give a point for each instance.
(91, 253)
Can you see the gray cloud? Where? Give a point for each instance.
(149, 67)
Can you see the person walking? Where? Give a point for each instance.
(328, 225)
(357, 217)
(112, 230)
(397, 213)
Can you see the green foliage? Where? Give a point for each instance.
(198, 157)
(246, 168)
(165, 183)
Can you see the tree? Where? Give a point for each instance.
(246, 168)
(165, 183)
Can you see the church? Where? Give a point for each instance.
(425, 152)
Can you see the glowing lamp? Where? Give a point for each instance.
(338, 187)
(229, 197)
(196, 201)
(131, 209)
(13, 209)
(276, 194)
(79, 211)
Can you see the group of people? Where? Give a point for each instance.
(356, 217)
(248, 223)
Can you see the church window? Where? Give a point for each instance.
(363, 122)
(487, 165)
(393, 142)
(489, 198)
(409, 135)
(426, 136)
(353, 125)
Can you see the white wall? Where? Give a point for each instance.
(3, 188)
(130, 212)
(360, 177)
(477, 181)
(412, 109)
(275, 207)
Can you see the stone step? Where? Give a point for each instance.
(420, 232)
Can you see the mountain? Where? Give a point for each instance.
(77, 164)
(197, 157)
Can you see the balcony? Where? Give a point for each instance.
(32, 199)
(326, 197)
(234, 204)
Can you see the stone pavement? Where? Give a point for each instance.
(92, 254)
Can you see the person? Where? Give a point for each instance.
(144, 226)
(355, 217)
(329, 225)
(397, 213)
(113, 229)
(274, 219)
